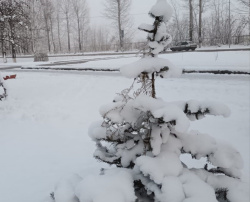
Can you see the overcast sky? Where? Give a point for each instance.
(139, 10)
(139, 13)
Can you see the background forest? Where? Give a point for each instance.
(66, 26)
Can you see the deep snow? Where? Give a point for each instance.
(44, 123)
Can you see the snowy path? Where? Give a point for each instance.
(44, 123)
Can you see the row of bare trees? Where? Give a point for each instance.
(64, 26)
(63, 22)
(60, 26)
(211, 22)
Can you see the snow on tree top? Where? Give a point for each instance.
(150, 65)
(161, 8)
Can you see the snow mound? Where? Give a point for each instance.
(65, 189)
(112, 186)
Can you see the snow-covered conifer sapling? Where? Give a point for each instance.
(145, 137)
(3, 90)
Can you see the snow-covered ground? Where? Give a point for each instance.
(44, 123)
(236, 61)
(232, 61)
(29, 61)
(224, 60)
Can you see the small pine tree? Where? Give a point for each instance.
(143, 137)
(145, 134)
(3, 90)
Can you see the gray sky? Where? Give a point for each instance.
(139, 10)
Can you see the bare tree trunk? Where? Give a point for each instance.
(191, 21)
(229, 31)
(32, 26)
(79, 33)
(58, 33)
(176, 17)
(52, 35)
(119, 23)
(200, 22)
(47, 30)
(67, 19)
(153, 86)
(13, 46)
(2, 39)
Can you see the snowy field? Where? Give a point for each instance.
(44, 123)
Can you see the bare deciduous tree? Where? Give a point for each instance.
(47, 8)
(118, 12)
(81, 12)
(66, 8)
(57, 3)
(191, 20)
(246, 10)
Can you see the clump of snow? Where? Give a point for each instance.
(150, 65)
(216, 108)
(196, 110)
(65, 189)
(198, 144)
(96, 131)
(159, 40)
(173, 113)
(129, 151)
(226, 157)
(112, 186)
(172, 190)
(195, 189)
(161, 9)
(166, 164)
(236, 189)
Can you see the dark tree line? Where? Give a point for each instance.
(14, 23)
(51, 26)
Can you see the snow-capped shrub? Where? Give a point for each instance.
(144, 138)
(3, 90)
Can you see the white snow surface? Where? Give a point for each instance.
(228, 60)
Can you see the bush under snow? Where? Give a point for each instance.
(3, 91)
(144, 138)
